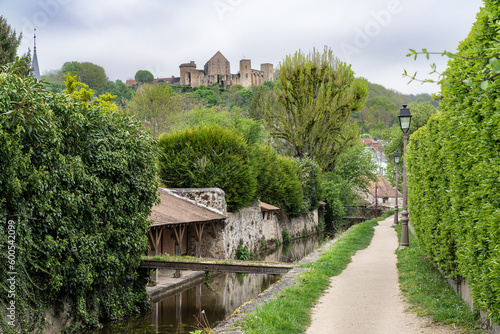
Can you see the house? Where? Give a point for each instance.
(376, 147)
(385, 193)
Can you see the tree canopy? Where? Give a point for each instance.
(9, 42)
(317, 94)
(90, 74)
(144, 76)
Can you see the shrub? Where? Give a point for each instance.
(209, 156)
(77, 185)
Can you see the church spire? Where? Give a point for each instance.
(34, 64)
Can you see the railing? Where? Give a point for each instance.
(362, 212)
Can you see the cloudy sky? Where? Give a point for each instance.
(125, 36)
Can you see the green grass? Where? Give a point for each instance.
(428, 292)
(290, 312)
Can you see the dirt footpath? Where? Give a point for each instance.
(365, 297)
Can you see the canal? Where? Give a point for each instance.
(217, 297)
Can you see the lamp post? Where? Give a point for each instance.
(404, 123)
(397, 157)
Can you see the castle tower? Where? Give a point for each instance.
(34, 63)
(267, 68)
(186, 73)
(245, 73)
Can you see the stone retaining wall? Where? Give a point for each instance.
(248, 227)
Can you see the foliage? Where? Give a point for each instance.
(310, 179)
(252, 130)
(203, 93)
(9, 42)
(342, 186)
(291, 312)
(78, 182)
(122, 92)
(427, 290)
(454, 168)
(287, 238)
(90, 74)
(379, 115)
(278, 180)
(209, 156)
(243, 253)
(144, 76)
(317, 95)
(155, 105)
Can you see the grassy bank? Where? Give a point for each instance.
(290, 312)
(428, 291)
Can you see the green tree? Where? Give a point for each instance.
(209, 156)
(317, 94)
(9, 42)
(90, 74)
(156, 106)
(144, 76)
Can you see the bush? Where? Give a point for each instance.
(77, 186)
(454, 168)
(209, 156)
(311, 184)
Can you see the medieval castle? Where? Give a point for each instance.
(217, 70)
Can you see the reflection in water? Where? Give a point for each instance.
(294, 251)
(176, 313)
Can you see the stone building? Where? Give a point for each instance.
(218, 70)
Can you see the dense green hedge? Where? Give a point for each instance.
(77, 184)
(215, 156)
(209, 156)
(454, 168)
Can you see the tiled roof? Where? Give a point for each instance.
(174, 210)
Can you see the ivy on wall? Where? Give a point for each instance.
(454, 168)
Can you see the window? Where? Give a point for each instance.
(246, 75)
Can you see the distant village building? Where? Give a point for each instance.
(384, 192)
(376, 148)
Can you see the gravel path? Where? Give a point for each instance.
(365, 297)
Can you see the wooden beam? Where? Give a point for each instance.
(234, 268)
(213, 230)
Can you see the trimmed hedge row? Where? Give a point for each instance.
(454, 169)
(215, 156)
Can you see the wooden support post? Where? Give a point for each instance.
(213, 230)
(199, 233)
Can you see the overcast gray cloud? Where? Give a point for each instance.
(124, 36)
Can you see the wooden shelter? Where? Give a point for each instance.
(173, 219)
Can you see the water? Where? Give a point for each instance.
(177, 313)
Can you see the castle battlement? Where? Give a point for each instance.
(218, 70)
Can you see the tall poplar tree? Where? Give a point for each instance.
(317, 94)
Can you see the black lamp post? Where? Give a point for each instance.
(397, 158)
(404, 122)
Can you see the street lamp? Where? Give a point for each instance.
(404, 123)
(397, 157)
